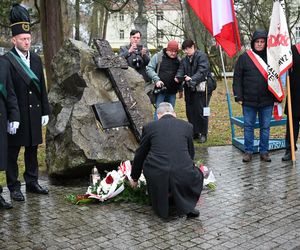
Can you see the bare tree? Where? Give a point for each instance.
(257, 13)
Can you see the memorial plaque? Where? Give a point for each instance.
(110, 114)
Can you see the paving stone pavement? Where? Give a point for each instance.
(256, 206)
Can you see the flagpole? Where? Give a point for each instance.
(227, 93)
(290, 120)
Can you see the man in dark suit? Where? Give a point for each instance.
(27, 75)
(9, 118)
(166, 156)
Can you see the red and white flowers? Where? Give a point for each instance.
(112, 184)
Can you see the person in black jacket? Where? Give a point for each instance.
(161, 70)
(136, 54)
(9, 118)
(250, 88)
(194, 70)
(26, 71)
(168, 167)
(294, 74)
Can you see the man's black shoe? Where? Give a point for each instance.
(195, 213)
(17, 195)
(4, 204)
(287, 156)
(202, 139)
(36, 188)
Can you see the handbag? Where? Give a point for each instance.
(149, 89)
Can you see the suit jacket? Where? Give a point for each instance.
(32, 104)
(8, 109)
(166, 157)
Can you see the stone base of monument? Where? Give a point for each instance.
(75, 139)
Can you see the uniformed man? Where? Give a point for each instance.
(26, 71)
(9, 118)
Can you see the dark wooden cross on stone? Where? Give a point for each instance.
(113, 64)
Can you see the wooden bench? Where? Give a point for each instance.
(274, 143)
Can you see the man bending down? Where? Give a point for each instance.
(166, 156)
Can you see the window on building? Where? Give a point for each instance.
(121, 17)
(121, 34)
(160, 34)
(160, 15)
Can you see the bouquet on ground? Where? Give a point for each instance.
(209, 178)
(114, 183)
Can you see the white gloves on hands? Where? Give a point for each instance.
(12, 127)
(45, 120)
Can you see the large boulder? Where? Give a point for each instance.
(74, 139)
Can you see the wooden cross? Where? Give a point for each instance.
(112, 63)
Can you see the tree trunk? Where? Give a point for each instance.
(52, 33)
(77, 21)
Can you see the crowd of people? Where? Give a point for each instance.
(171, 75)
(191, 76)
(172, 177)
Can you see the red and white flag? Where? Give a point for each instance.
(219, 19)
(279, 52)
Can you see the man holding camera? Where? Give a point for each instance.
(136, 55)
(161, 70)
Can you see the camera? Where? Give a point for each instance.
(156, 91)
(136, 62)
(191, 84)
(139, 47)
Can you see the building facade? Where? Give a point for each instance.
(164, 22)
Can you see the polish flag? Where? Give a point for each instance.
(219, 19)
(279, 51)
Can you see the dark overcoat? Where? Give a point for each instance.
(33, 104)
(166, 157)
(197, 67)
(294, 73)
(8, 109)
(249, 85)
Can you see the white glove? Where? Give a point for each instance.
(45, 120)
(13, 126)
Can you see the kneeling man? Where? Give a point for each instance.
(166, 156)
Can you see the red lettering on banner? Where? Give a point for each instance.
(279, 39)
